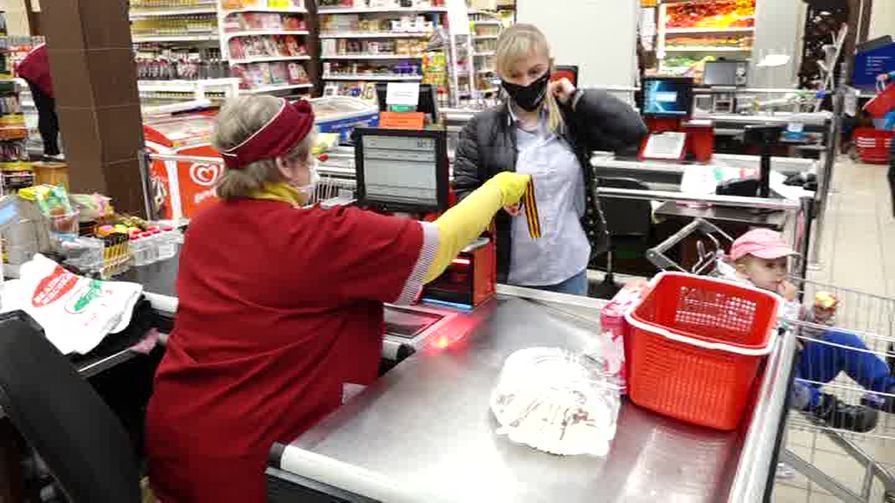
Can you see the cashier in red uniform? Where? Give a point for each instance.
(280, 304)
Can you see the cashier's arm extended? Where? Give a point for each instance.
(461, 224)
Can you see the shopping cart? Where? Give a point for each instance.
(859, 318)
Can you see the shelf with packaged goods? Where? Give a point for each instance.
(375, 10)
(370, 56)
(373, 34)
(361, 78)
(288, 10)
(707, 49)
(185, 11)
(252, 33)
(483, 54)
(709, 31)
(277, 87)
(175, 38)
(266, 59)
(183, 86)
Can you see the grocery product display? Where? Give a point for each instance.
(15, 169)
(485, 30)
(691, 30)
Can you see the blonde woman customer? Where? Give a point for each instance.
(545, 129)
(281, 304)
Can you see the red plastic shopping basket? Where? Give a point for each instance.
(696, 346)
(882, 103)
(874, 145)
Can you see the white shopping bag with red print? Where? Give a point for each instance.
(75, 312)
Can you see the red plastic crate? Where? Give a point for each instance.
(696, 346)
(874, 145)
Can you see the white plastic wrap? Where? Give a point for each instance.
(556, 401)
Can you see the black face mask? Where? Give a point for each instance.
(531, 96)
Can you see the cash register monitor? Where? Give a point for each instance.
(401, 170)
(667, 97)
(721, 73)
(427, 104)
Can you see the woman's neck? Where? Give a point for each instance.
(528, 120)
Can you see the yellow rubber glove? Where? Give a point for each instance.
(466, 221)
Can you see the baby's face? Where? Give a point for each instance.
(767, 274)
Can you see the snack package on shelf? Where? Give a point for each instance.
(610, 344)
(556, 401)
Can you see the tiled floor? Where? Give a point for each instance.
(858, 251)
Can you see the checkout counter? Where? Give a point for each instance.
(424, 430)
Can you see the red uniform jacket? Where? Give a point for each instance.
(35, 68)
(278, 307)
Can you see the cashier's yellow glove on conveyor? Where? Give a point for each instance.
(466, 221)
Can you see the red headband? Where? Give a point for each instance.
(280, 135)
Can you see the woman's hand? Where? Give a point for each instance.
(562, 89)
(514, 209)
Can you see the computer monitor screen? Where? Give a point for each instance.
(721, 73)
(402, 170)
(667, 97)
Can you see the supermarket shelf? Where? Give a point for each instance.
(483, 54)
(486, 37)
(708, 49)
(281, 87)
(370, 56)
(177, 38)
(485, 70)
(488, 22)
(290, 10)
(489, 90)
(250, 33)
(373, 10)
(186, 11)
(183, 86)
(375, 34)
(263, 59)
(680, 31)
(374, 77)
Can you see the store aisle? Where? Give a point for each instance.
(858, 251)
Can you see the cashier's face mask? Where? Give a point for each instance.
(531, 96)
(307, 190)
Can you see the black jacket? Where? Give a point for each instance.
(487, 146)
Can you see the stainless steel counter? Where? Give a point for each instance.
(424, 431)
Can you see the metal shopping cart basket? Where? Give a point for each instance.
(847, 359)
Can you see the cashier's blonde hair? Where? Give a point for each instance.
(520, 42)
(240, 118)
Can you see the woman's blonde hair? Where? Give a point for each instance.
(517, 43)
(238, 119)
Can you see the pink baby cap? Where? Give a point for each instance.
(761, 243)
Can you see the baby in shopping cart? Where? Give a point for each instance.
(760, 257)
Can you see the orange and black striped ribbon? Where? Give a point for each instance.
(530, 204)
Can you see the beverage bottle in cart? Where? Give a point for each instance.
(150, 249)
(167, 246)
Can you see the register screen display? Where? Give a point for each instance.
(400, 169)
(667, 97)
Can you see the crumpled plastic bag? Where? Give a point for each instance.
(556, 401)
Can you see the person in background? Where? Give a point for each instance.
(280, 304)
(760, 257)
(35, 69)
(545, 129)
(889, 79)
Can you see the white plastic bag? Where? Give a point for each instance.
(75, 312)
(556, 401)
